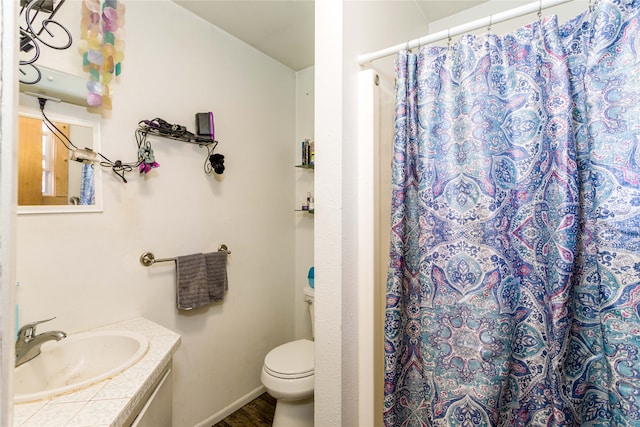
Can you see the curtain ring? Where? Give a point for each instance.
(448, 38)
(540, 11)
(490, 23)
(407, 48)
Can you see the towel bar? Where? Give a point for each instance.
(147, 259)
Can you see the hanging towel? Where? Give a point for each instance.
(191, 290)
(217, 274)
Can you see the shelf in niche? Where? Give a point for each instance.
(304, 210)
(311, 166)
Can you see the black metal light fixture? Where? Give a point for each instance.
(37, 26)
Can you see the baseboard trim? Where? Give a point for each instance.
(230, 409)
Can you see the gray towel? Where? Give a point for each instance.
(191, 290)
(216, 274)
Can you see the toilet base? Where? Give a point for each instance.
(293, 413)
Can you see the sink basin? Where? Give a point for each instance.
(76, 362)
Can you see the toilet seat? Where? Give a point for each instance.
(291, 360)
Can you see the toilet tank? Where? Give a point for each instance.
(308, 298)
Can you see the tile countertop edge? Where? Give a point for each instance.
(139, 378)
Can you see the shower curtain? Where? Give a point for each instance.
(513, 291)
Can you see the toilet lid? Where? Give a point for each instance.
(291, 360)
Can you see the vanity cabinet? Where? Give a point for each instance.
(135, 397)
(157, 411)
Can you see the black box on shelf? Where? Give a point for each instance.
(204, 124)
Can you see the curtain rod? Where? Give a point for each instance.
(537, 6)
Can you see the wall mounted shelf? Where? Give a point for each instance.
(309, 166)
(159, 127)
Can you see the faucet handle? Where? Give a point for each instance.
(29, 330)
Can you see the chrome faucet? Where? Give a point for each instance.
(28, 343)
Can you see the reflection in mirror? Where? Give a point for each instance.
(49, 180)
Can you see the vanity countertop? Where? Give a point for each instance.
(111, 402)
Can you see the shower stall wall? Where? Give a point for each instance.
(375, 147)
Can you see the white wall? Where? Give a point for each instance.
(8, 201)
(84, 268)
(329, 361)
(304, 179)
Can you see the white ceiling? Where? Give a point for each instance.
(283, 29)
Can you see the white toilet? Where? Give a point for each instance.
(288, 376)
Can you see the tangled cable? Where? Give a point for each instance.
(146, 160)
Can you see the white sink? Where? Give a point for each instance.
(76, 362)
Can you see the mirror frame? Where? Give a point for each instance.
(72, 119)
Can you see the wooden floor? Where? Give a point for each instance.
(257, 413)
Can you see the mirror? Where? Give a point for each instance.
(49, 181)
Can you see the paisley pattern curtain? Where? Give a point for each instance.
(513, 295)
